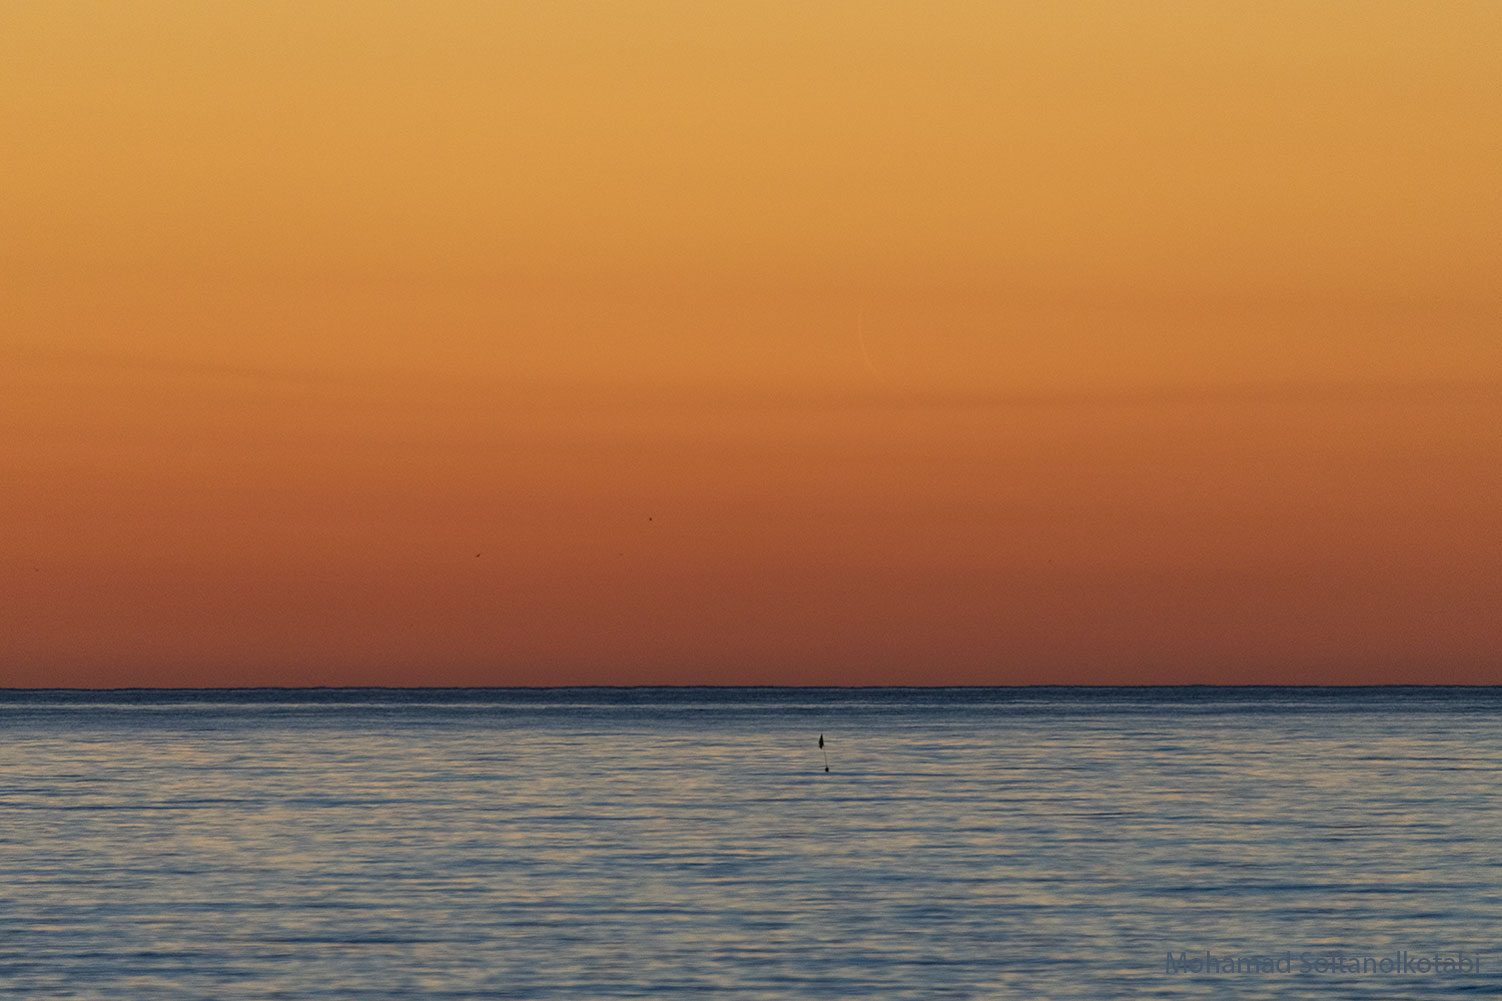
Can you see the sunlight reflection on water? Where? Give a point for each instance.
(596, 845)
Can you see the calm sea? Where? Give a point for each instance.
(656, 843)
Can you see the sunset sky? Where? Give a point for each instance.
(728, 342)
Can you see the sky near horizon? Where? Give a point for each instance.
(750, 342)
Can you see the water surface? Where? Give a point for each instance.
(607, 843)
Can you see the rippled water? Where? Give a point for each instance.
(595, 843)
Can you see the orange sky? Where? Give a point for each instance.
(750, 342)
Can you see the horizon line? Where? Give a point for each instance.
(914, 687)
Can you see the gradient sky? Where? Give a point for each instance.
(750, 342)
